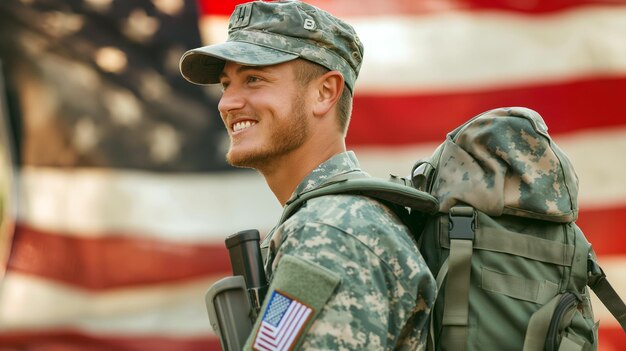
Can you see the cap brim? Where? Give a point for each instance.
(204, 65)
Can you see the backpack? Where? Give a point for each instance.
(493, 211)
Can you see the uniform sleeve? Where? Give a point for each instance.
(352, 315)
(298, 293)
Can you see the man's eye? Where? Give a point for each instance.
(253, 79)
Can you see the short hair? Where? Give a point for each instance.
(306, 71)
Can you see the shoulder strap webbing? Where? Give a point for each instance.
(606, 293)
(455, 320)
(441, 275)
(537, 329)
(360, 184)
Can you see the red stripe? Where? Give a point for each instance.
(76, 341)
(604, 228)
(353, 8)
(221, 7)
(396, 119)
(115, 261)
(112, 261)
(611, 339)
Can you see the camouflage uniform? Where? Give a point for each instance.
(383, 291)
(347, 261)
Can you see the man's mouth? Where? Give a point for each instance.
(239, 126)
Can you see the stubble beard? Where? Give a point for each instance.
(285, 137)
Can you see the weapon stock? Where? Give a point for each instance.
(233, 303)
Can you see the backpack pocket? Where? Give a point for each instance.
(565, 323)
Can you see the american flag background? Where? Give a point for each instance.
(120, 193)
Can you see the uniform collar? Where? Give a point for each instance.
(341, 163)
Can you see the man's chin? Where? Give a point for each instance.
(242, 160)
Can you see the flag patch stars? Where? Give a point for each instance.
(282, 322)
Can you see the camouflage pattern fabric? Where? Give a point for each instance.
(506, 166)
(385, 292)
(266, 33)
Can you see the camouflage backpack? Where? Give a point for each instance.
(511, 264)
(493, 211)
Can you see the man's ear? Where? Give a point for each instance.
(329, 88)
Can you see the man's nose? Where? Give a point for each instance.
(231, 100)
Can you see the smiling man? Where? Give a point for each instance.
(345, 273)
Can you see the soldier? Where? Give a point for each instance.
(345, 273)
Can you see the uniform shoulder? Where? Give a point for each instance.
(364, 218)
(347, 209)
(347, 222)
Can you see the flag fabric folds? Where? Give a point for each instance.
(124, 198)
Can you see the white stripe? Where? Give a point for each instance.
(262, 344)
(213, 28)
(449, 51)
(286, 328)
(181, 207)
(597, 155)
(457, 51)
(263, 338)
(302, 314)
(205, 208)
(28, 303)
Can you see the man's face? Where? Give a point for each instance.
(263, 109)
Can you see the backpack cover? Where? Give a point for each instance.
(511, 264)
(493, 212)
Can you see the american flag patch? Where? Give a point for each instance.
(282, 322)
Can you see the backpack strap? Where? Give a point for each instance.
(540, 321)
(605, 292)
(358, 183)
(441, 275)
(538, 325)
(462, 226)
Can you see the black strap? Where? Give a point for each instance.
(357, 183)
(606, 293)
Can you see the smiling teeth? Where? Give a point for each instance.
(242, 125)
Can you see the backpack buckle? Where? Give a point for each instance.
(422, 176)
(594, 272)
(462, 223)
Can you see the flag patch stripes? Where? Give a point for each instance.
(282, 322)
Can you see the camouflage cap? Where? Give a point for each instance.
(267, 33)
